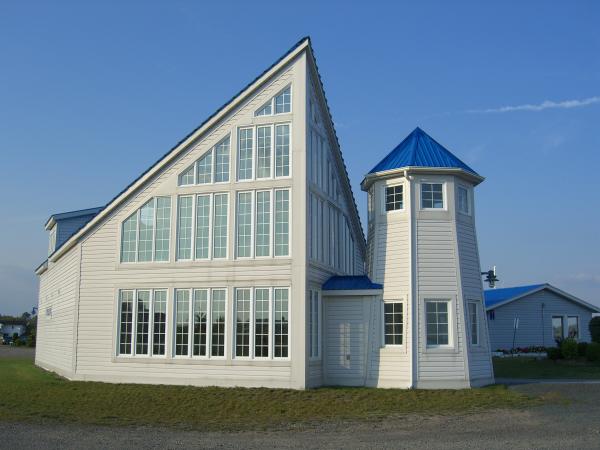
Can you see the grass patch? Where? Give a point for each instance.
(30, 393)
(523, 367)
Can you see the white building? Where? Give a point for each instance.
(238, 259)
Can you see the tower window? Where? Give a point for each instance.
(394, 198)
(432, 196)
(463, 200)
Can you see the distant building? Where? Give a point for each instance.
(8, 327)
(545, 314)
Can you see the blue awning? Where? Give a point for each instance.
(350, 283)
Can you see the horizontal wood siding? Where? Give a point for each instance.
(535, 324)
(56, 318)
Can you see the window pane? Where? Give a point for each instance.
(220, 226)
(557, 328)
(283, 102)
(265, 110)
(463, 200)
(263, 223)
(143, 322)
(282, 150)
(261, 323)
(245, 154)
(263, 150)
(244, 225)
(394, 323)
(146, 232)
(281, 323)
(182, 314)
(159, 326)
(204, 171)
(242, 322)
(573, 327)
(187, 176)
(436, 313)
(126, 322)
(200, 321)
(218, 323)
(474, 321)
(222, 161)
(202, 226)
(393, 198)
(128, 239)
(432, 195)
(184, 228)
(163, 229)
(282, 226)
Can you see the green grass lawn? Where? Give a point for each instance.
(29, 393)
(523, 367)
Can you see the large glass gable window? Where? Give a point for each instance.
(279, 104)
(432, 195)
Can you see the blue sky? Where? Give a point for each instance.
(91, 94)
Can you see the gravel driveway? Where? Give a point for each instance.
(570, 420)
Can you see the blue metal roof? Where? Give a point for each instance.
(496, 296)
(419, 149)
(78, 213)
(350, 282)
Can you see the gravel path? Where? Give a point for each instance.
(570, 420)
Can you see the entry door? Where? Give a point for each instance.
(346, 334)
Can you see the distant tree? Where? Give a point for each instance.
(26, 316)
(595, 329)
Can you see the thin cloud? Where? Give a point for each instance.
(548, 104)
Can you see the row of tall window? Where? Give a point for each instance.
(200, 328)
(263, 153)
(331, 240)
(320, 166)
(145, 234)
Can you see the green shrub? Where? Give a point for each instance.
(594, 327)
(553, 353)
(568, 348)
(593, 352)
(582, 348)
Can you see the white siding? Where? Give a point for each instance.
(57, 313)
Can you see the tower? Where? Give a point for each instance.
(422, 247)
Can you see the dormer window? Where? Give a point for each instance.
(279, 104)
(394, 199)
(52, 240)
(432, 196)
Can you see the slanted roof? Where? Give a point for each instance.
(419, 150)
(350, 283)
(72, 215)
(497, 297)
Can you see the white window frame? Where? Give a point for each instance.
(134, 323)
(403, 302)
(271, 223)
(444, 195)
(137, 213)
(450, 303)
(477, 323)
(253, 153)
(272, 103)
(575, 316)
(213, 153)
(52, 240)
(315, 299)
(384, 196)
(209, 310)
(467, 191)
(252, 223)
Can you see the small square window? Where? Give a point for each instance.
(394, 198)
(463, 200)
(432, 196)
(393, 323)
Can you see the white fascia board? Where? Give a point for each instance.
(371, 177)
(177, 150)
